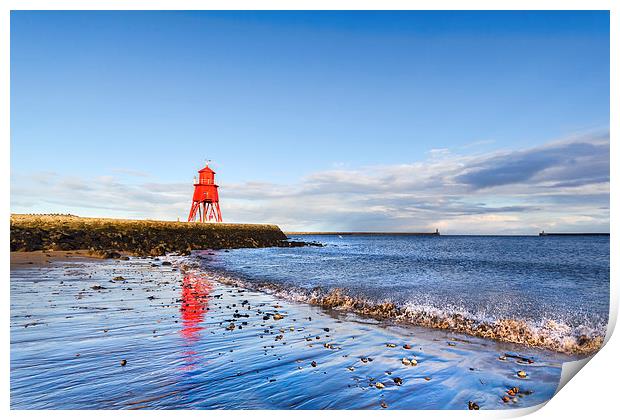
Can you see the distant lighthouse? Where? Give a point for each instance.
(206, 201)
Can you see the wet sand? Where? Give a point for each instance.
(134, 334)
(23, 259)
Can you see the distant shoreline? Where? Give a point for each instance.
(543, 233)
(438, 234)
(366, 233)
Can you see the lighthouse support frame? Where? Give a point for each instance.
(205, 212)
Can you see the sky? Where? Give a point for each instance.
(469, 122)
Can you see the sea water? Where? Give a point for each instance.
(555, 287)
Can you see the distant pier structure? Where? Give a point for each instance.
(435, 233)
(206, 200)
(543, 233)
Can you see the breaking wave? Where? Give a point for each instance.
(548, 334)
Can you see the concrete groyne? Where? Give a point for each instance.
(138, 237)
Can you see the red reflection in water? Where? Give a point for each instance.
(195, 298)
(194, 301)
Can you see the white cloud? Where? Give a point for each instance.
(558, 186)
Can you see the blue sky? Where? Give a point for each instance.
(303, 113)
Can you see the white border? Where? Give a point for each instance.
(593, 395)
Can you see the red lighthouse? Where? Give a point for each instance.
(206, 202)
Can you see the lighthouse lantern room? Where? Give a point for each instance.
(206, 202)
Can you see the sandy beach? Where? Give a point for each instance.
(23, 259)
(160, 333)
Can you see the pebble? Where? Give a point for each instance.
(409, 362)
(473, 406)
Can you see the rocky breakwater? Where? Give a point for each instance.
(110, 237)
